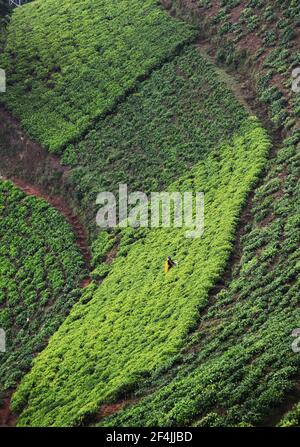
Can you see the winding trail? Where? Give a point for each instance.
(24, 162)
(242, 86)
(60, 205)
(38, 173)
(7, 418)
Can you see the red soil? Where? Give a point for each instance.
(236, 12)
(112, 253)
(251, 42)
(7, 418)
(110, 409)
(212, 11)
(23, 156)
(60, 205)
(85, 283)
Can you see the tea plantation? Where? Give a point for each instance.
(79, 59)
(239, 364)
(124, 92)
(138, 319)
(41, 268)
(158, 134)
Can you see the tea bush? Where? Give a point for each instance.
(190, 360)
(41, 268)
(139, 318)
(79, 59)
(239, 365)
(176, 110)
(238, 368)
(273, 27)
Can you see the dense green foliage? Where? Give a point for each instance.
(239, 367)
(268, 32)
(79, 59)
(239, 364)
(188, 356)
(3, 23)
(174, 112)
(139, 318)
(292, 418)
(40, 267)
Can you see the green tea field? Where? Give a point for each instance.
(153, 324)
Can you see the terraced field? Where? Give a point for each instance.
(138, 319)
(79, 59)
(113, 325)
(41, 270)
(125, 93)
(166, 127)
(238, 366)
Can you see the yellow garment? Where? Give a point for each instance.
(167, 267)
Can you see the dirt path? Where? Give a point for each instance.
(243, 86)
(7, 419)
(37, 173)
(24, 162)
(59, 204)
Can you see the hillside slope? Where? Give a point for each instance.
(79, 59)
(246, 332)
(41, 270)
(255, 37)
(209, 344)
(157, 135)
(238, 367)
(138, 319)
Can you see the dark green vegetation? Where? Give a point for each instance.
(266, 54)
(269, 32)
(239, 363)
(41, 268)
(3, 8)
(79, 59)
(3, 23)
(138, 319)
(292, 418)
(184, 353)
(158, 134)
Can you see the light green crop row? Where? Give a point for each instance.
(139, 317)
(68, 62)
(40, 271)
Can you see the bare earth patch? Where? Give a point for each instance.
(7, 418)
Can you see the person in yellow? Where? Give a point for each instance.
(169, 264)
